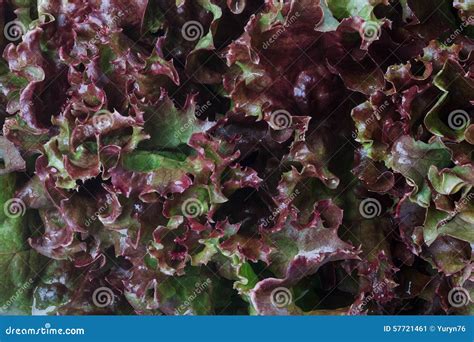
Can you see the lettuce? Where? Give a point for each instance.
(214, 157)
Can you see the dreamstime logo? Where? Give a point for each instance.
(198, 289)
(47, 329)
(370, 208)
(281, 297)
(459, 207)
(281, 207)
(375, 116)
(280, 119)
(459, 30)
(192, 208)
(14, 208)
(377, 289)
(198, 112)
(280, 31)
(27, 285)
(14, 30)
(103, 208)
(102, 297)
(192, 30)
(103, 120)
(458, 297)
(113, 23)
(458, 119)
(201, 109)
(370, 31)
